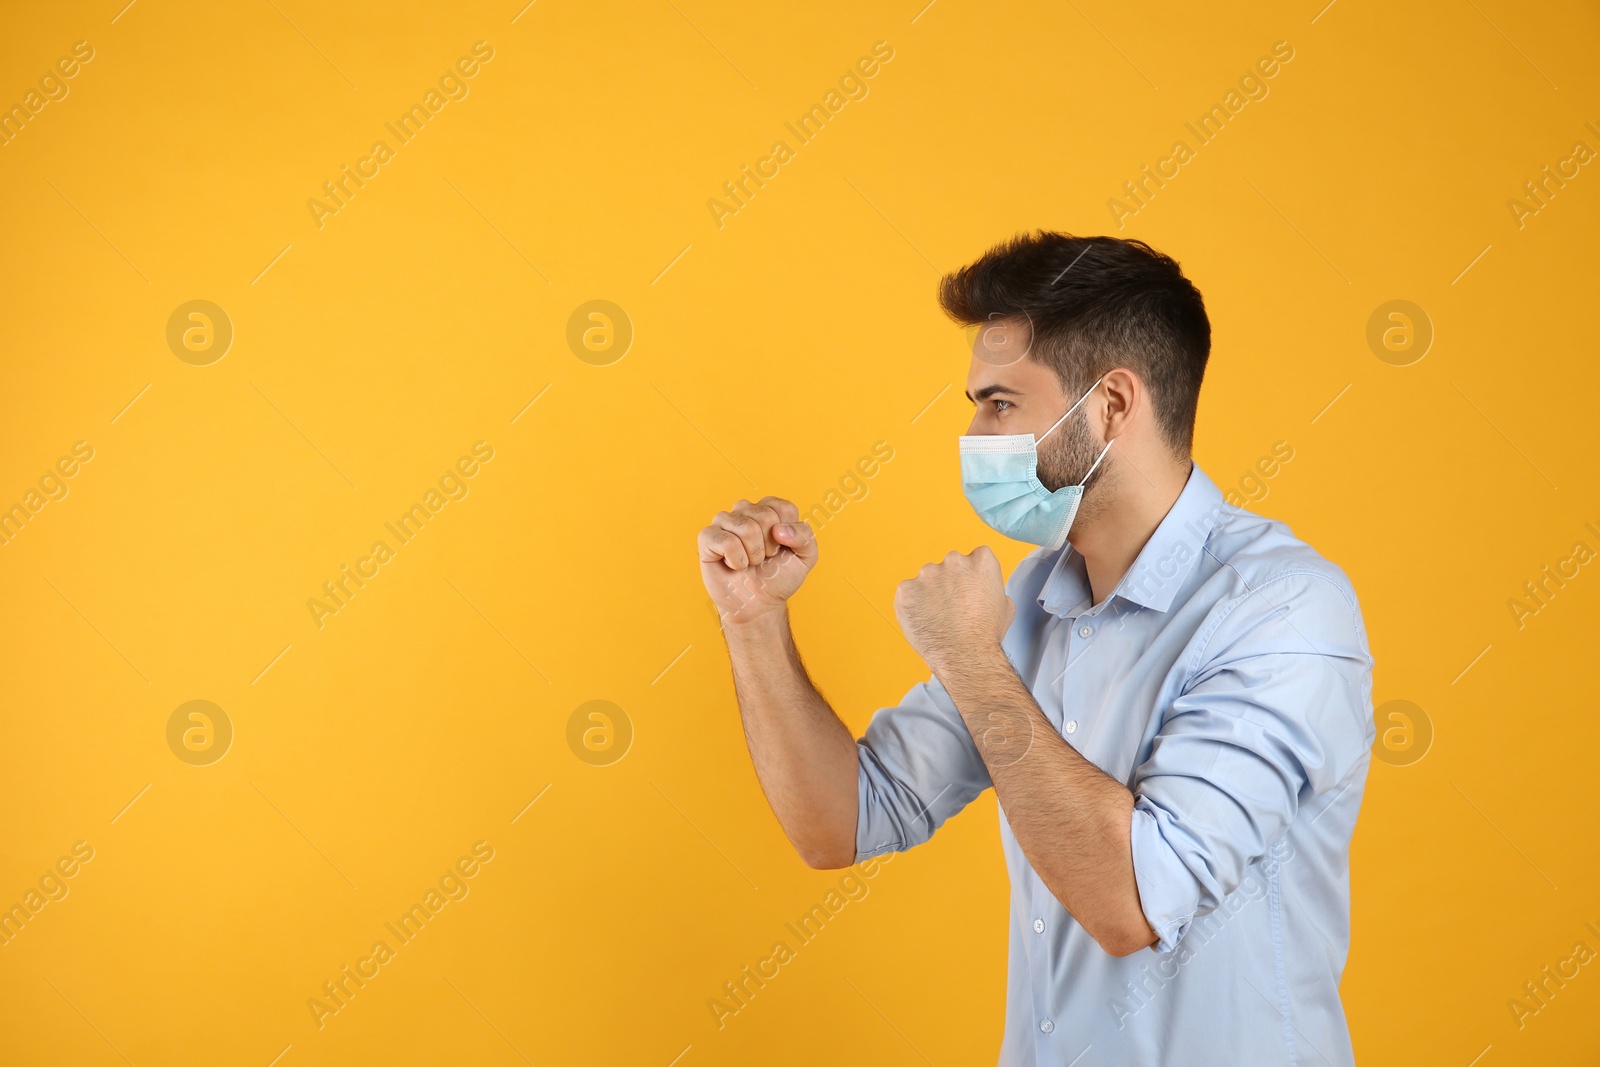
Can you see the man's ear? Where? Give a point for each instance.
(1122, 395)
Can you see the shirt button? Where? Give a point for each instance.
(1086, 630)
(1038, 926)
(1047, 1026)
(1072, 726)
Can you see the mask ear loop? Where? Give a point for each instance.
(1102, 455)
(1070, 410)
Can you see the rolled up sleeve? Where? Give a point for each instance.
(918, 767)
(1277, 711)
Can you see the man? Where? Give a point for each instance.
(1171, 697)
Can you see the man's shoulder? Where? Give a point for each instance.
(1262, 569)
(1282, 617)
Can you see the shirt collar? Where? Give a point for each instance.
(1161, 567)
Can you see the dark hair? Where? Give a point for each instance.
(1096, 303)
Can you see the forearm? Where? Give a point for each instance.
(804, 755)
(1071, 819)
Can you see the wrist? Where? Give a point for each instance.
(768, 624)
(957, 667)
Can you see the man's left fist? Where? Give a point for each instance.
(954, 611)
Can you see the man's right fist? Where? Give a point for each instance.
(754, 557)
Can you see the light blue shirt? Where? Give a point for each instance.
(1227, 683)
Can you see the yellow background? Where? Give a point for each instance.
(769, 356)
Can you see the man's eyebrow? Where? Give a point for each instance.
(990, 390)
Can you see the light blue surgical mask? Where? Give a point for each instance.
(1000, 475)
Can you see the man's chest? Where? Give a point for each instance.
(1105, 678)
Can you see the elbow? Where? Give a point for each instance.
(1122, 943)
(1122, 934)
(826, 840)
(827, 859)
(826, 855)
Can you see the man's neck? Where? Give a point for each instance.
(1114, 537)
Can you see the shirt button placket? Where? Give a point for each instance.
(1085, 631)
(1045, 993)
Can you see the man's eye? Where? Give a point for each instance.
(998, 408)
